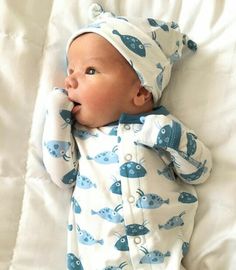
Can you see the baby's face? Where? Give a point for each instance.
(100, 82)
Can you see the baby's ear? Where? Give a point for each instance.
(142, 97)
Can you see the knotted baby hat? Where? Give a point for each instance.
(149, 45)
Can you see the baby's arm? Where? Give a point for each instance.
(59, 148)
(191, 159)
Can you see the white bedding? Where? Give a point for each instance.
(202, 93)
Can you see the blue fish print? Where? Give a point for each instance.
(174, 57)
(195, 175)
(185, 248)
(70, 177)
(150, 201)
(191, 144)
(107, 157)
(174, 25)
(113, 131)
(67, 117)
(58, 149)
(132, 169)
(122, 243)
(154, 37)
(122, 18)
(156, 23)
(70, 227)
(73, 263)
(173, 222)
(132, 43)
(136, 229)
(83, 134)
(84, 182)
(140, 76)
(153, 257)
(76, 206)
(120, 267)
(159, 78)
(110, 214)
(168, 172)
(186, 197)
(169, 136)
(190, 44)
(86, 238)
(116, 187)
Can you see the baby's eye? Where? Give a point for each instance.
(90, 71)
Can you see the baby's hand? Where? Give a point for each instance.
(156, 131)
(58, 98)
(62, 90)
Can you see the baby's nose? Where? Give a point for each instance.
(71, 82)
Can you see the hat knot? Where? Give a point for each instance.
(96, 12)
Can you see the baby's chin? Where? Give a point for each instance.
(94, 123)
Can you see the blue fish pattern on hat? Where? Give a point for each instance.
(157, 23)
(159, 78)
(132, 43)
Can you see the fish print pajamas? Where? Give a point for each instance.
(133, 202)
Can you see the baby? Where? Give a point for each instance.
(131, 164)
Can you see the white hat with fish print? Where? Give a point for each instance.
(149, 45)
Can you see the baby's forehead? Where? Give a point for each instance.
(93, 47)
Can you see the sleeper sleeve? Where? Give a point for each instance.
(188, 156)
(60, 151)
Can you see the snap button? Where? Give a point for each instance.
(137, 240)
(128, 157)
(131, 199)
(127, 127)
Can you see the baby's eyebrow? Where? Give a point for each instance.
(97, 59)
